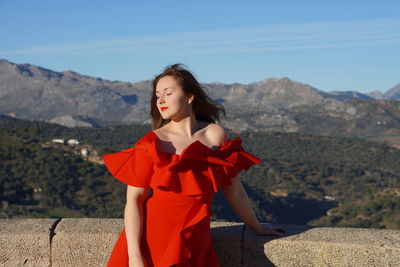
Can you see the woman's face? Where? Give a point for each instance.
(171, 99)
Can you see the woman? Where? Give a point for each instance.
(184, 160)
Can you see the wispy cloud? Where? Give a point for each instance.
(246, 39)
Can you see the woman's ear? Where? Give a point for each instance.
(190, 99)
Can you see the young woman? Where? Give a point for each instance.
(185, 159)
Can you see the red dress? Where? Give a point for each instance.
(176, 229)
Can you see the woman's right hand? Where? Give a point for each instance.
(267, 230)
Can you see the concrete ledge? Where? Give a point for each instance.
(88, 242)
(227, 238)
(26, 242)
(84, 241)
(324, 246)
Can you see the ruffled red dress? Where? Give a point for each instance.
(176, 229)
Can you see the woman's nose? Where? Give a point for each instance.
(161, 99)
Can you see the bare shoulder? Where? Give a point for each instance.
(217, 134)
(162, 132)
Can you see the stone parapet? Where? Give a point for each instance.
(89, 241)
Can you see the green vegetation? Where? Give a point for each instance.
(52, 182)
(362, 177)
(331, 181)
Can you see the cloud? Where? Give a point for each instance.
(303, 36)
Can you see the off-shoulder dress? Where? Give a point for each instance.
(176, 229)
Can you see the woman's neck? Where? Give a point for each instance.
(186, 127)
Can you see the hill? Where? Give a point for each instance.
(302, 179)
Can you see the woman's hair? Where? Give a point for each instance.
(204, 108)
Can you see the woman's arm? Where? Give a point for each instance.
(133, 220)
(237, 197)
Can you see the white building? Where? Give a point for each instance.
(72, 142)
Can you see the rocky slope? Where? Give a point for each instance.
(273, 104)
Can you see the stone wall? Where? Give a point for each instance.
(88, 242)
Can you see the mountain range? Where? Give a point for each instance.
(274, 104)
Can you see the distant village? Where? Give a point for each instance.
(86, 151)
(66, 142)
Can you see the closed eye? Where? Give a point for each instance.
(157, 97)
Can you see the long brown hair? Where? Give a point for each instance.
(204, 108)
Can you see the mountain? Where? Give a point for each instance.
(273, 92)
(393, 93)
(346, 95)
(32, 92)
(274, 104)
(376, 95)
(69, 98)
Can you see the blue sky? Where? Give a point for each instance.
(331, 45)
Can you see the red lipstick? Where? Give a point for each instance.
(163, 108)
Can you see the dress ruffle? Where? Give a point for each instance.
(197, 170)
(132, 166)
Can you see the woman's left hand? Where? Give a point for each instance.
(266, 230)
